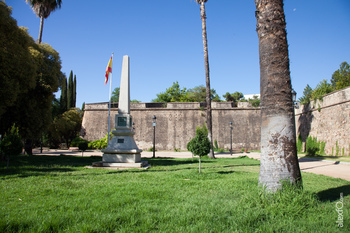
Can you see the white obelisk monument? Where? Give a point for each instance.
(122, 150)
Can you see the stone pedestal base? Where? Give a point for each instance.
(121, 158)
(141, 164)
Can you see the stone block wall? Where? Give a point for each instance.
(177, 122)
(328, 120)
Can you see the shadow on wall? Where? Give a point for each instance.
(305, 121)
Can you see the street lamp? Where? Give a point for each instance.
(154, 136)
(231, 136)
(294, 98)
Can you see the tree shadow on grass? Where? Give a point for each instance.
(36, 165)
(173, 162)
(333, 193)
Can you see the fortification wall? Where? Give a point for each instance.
(177, 122)
(328, 120)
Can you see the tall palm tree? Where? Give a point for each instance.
(207, 78)
(43, 9)
(279, 161)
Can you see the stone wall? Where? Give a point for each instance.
(328, 120)
(177, 122)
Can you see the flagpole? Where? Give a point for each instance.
(109, 105)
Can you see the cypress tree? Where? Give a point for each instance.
(75, 91)
(70, 91)
(63, 99)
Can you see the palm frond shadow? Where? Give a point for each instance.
(333, 194)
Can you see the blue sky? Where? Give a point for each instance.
(164, 41)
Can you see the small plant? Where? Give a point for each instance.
(337, 149)
(216, 147)
(150, 149)
(200, 144)
(300, 144)
(83, 146)
(176, 149)
(312, 146)
(322, 147)
(11, 144)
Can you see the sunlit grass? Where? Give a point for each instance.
(58, 194)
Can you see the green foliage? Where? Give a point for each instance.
(70, 91)
(115, 95)
(300, 144)
(255, 101)
(77, 141)
(307, 95)
(172, 94)
(11, 143)
(341, 77)
(63, 99)
(176, 94)
(101, 143)
(216, 146)
(177, 149)
(67, 126)
(312, 146)
(321, 89)
(17, 69)
(337, 149)
(322, 147)
(200, 144)
(83, 146)
(233, 97)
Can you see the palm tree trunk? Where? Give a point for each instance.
(279, 159)
(41, 29)
(207, 79)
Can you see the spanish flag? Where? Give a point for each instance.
(108, 69)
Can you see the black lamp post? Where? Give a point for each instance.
(154, 136)
(231, 136)
(294, 98)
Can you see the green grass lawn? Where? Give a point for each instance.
(57, 194)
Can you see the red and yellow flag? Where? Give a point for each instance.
(108, 69)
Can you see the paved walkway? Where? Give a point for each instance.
(327, 168)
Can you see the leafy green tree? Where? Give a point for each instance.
(43, 9)
(321, 89)
(66, 126)
(63, 99)
(75, 91)
(341, 77)
(32, 110)
(11, 144)
(17, 71)
(255, 101)
(70, 91)
(172, 94)
(200, 144)
(198, 94)
(307, 95)
(115, 95)
(233, 97)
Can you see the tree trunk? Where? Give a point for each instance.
(207, 80)
(41, 29)
(279, 159)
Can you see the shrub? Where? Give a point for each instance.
(322, 146)
(77, 141)
(11, 144)
(200, 144)
(312, 146)
(300, 144)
